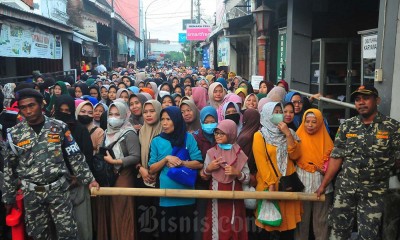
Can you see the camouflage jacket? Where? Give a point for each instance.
(38, 158)
(368, 151)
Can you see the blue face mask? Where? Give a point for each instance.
(209, 127)
(225, 146)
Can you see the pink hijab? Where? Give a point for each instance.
(233, 157)
(200, 97)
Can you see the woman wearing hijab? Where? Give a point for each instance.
(264, 88)
(153, 86)
(246, 85)
(250, 102)
(231, 111)
(112, 94)
(230, 97)
(98, 110)
(226, 165)
(135, 103)
(149, 91)
(191, 116)
(95, 92)
(104, 94)
(187, 81)
(59, 89)
(179, 89)
(84, 114)
(288, 115)
(216, 95)
(127, 155)
(151, 128)
(81, 89)
(205, 140)
(200, 97)
(167, 101)
(316, 146)
(65, 111)
(300, 106)
(283, 148)
(123, 93)
(242, 93)
(174, 135)
(8, 91)
(277, 94)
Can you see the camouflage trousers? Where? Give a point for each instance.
(48, 209)
(350, 203)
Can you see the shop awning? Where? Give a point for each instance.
(79, 38)
(33, 18)
(241, 22)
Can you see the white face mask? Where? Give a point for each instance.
(115, 122)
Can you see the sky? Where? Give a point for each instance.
(164, 17)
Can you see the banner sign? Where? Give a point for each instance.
(206, 57)
(19, 40)
(255, 81)
(224, 48)
(197, 32)
(281, 61)
(369, 46)
(182, 37)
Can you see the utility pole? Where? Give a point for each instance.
(191, 21)
(112, 33)
(198, 11)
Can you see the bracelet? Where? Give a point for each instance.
(242, 176)
(205, 172)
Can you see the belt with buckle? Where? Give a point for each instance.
(42, 188)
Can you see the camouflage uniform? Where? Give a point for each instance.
(37, 160)
(368, 152)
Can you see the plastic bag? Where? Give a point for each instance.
(269, 213)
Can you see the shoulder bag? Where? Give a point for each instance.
(290, 183)
(105, 173)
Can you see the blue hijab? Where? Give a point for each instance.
(298, 117)
(223, 82)
(177, 137)
(204, 113)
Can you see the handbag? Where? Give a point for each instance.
(104, 173)
(269, 213)
(290, 183)
(182, 175)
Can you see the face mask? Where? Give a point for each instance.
(225, 146)
(65, 117)
(115, 122)
(85, 119)
(209, 127)
(277, 118)
(234, 117)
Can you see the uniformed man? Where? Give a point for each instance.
(35, 159)
(366, 148)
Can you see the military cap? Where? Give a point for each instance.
(28, 93)
(365, 90)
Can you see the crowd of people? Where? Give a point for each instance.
(189, 128)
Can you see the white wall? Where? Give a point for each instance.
(395, 108)
(66, 57)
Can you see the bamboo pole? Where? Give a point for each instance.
(145, 192)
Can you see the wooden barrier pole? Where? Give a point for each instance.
(145, 192)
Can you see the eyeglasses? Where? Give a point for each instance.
(221, 134)
(297, 102)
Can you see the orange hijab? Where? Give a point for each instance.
(315, 148)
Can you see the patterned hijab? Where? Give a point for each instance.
(113, 133)
(274, 136)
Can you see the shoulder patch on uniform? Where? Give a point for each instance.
(351, 135)
(23, 142)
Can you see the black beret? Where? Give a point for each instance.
(28, 93)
